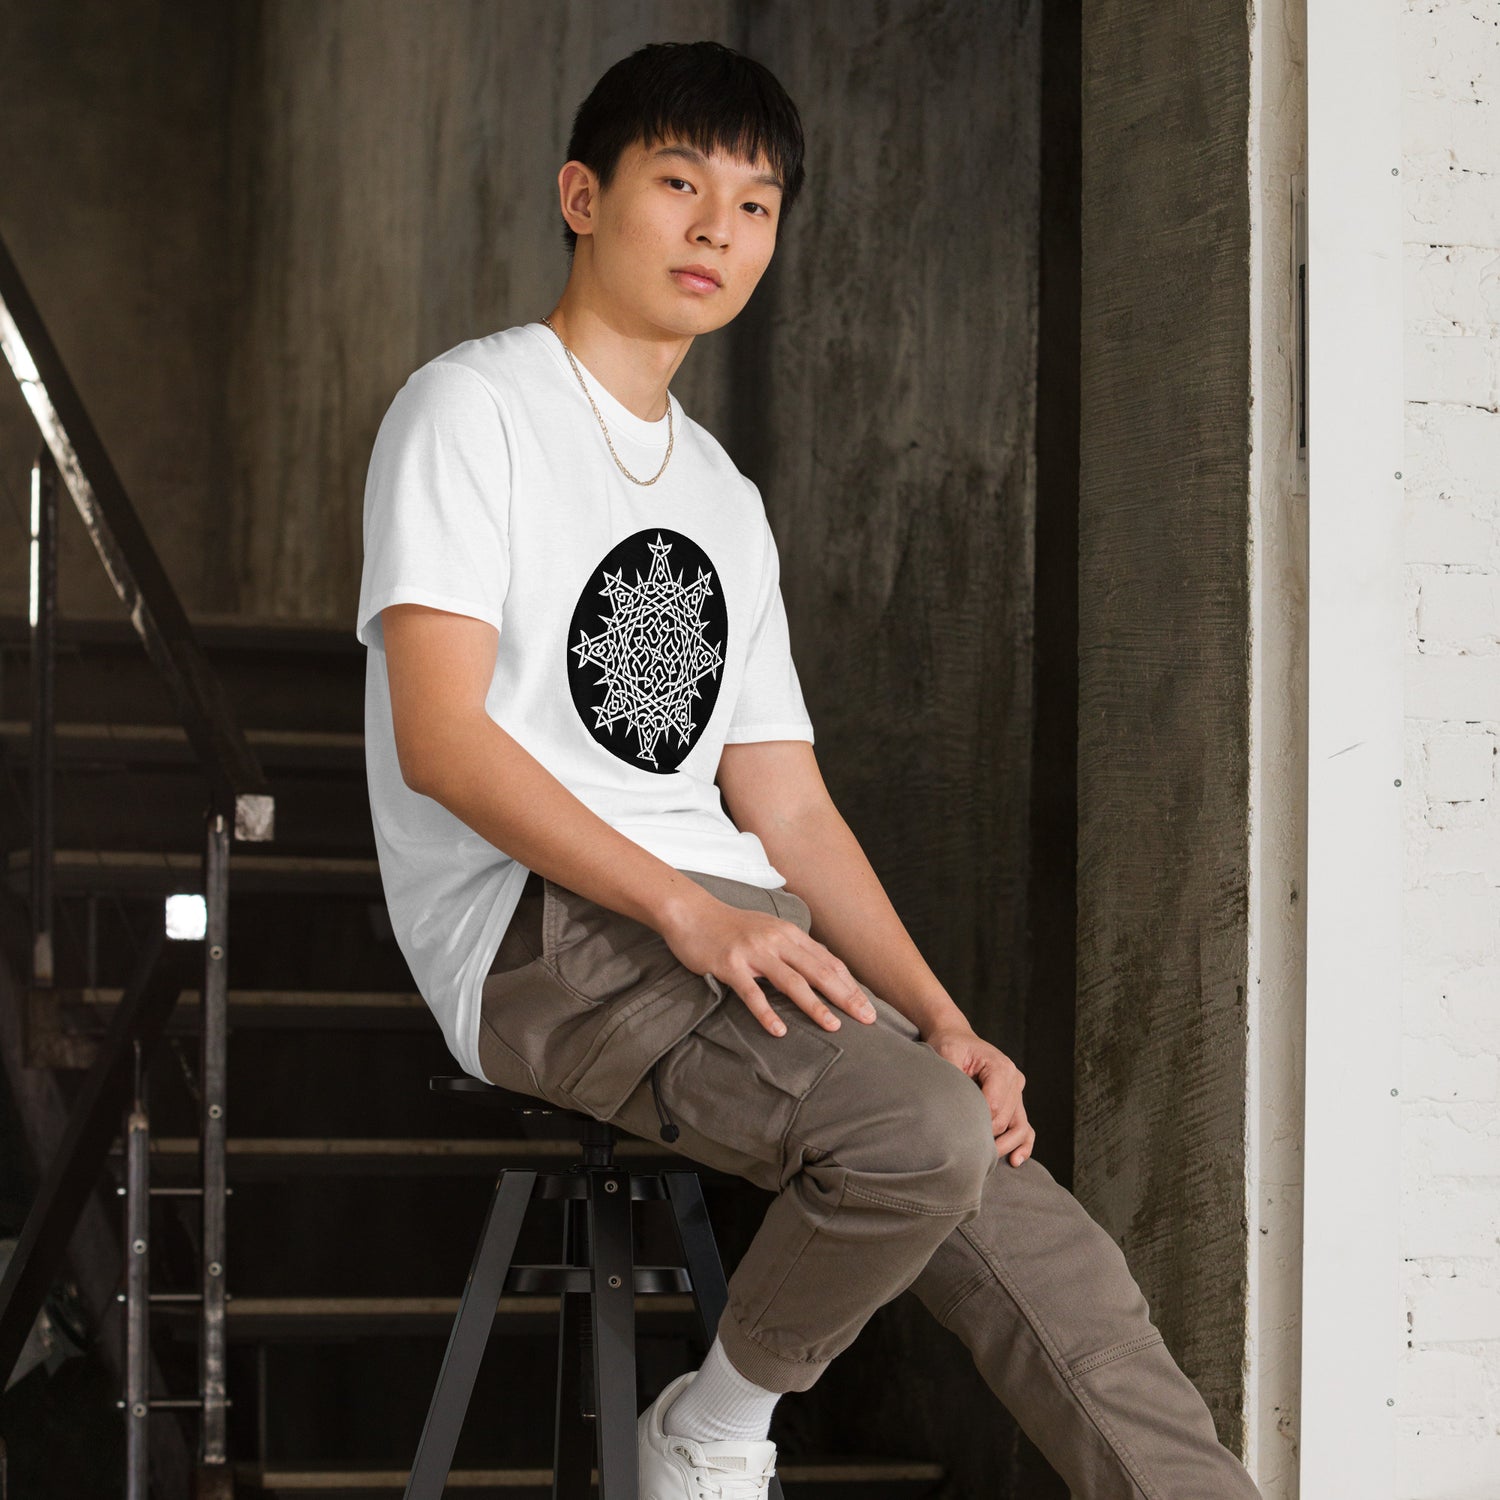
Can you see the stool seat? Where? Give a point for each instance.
(540, 1119)
(595, 1281)
(466, 1086)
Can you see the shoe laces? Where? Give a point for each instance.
(716, 1479)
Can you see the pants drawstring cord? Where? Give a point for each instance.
(669, 1131)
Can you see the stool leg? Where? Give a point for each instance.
(612, 1258)
(471, 1333)
(701, 1256)
(572, 1442)
(699, 1252)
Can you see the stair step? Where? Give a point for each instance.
(250, 1157)
(278, 1319)
(147, 872)
(155, 744)
(873, 1475)
(215, 630)
(89, 1009)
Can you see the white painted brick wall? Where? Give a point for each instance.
(1448, 1402)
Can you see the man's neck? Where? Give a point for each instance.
(634, 362)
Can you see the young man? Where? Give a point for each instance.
(577, 644)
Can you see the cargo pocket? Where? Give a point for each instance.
(641, 999)
(740, 1088)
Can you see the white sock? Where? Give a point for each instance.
(719, 1403)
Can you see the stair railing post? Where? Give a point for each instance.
(213, 1457)
(137, 1401)
(43, 622)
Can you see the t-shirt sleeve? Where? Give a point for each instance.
(769, 706)
(437, 501)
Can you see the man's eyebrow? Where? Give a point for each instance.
(690, 153)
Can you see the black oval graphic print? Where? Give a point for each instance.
(646, 648)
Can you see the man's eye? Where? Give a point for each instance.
(760, 208)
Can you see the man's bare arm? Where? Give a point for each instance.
(440, 666)
(774, 789)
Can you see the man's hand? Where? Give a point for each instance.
(738, 946)
(999, 1078)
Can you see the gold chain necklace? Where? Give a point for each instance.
(626, 472)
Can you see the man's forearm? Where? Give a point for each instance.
(853, 917)
(490, 781)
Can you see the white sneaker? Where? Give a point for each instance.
(680, 1468)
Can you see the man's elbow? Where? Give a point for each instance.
(412, 772)
(429, 756)
(419, 762)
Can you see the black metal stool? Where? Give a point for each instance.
(598, 1266)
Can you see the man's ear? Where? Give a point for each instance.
(576, 192)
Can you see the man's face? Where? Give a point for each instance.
(669, 207)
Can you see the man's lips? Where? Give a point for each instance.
(694, 282)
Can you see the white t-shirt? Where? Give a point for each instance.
(641, 628)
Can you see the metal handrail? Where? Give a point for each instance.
(240, 806)
(238, 786)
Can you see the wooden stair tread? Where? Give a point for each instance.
(176, 860)
(129, 736)
(149, 871)
(314, 1319)
(446, 1307)
(428, 1149)
(106, 996)
(215, 630)
(88, 1010)
(812, 1470)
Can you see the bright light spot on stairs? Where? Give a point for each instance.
(187, 916)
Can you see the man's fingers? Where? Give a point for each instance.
(1018, 1137)
(1018, 1149)
(832, 976)
(796, 988)
(759, 1007)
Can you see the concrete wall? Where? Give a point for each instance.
(112, 202)
(1164, 668)
(1447, 1441)
(885, 381)
(394, 193)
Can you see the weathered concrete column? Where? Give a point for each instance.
(1164, 667)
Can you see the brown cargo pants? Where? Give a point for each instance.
(882, 1158)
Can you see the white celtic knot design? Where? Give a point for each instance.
(652, 651)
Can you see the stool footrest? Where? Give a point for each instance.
(555, 1279)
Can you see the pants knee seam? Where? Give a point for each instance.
(1117, 1351)
(908, 1205)
(1127, 1459)
(964, 1292)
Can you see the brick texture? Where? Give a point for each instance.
(1448, 1431)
